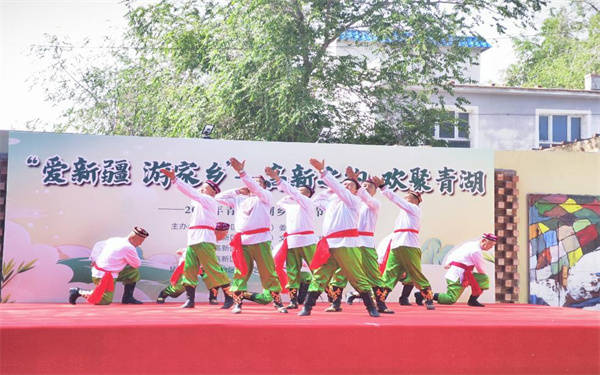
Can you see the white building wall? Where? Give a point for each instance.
(505, 119)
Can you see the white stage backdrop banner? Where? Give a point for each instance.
(65, 192)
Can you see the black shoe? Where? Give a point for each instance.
(302, 293)
(333, 308)
(403, 300)
(73, 295)
(212, 296)
(335, 293)
(305, 311)
(237, 300)
(351, 297)
(162, 296)
(228, 298)
(293, 298)
(311, 299)
(128, 295)
(429, 304)
(276, 296)
(473, 302)
(427, 295)
(436, 296)
(419, 298)
(368, 301)
(190, 291)
(380, 296)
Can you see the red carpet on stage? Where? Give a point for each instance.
(164, 339)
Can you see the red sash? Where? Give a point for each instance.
(281, 256)
(107, 284)
(179, 270)
(368, 234)
(389, 247)
(322, 254)
(469, 278)
(202, 227)
(237, 254)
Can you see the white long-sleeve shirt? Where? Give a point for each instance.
(408, 218)
(113, 255)
(300, 215)
(469, 254)
(341, 211)
(251, 211)
(367, 217)
(204, 213)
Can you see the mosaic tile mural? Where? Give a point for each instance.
(564, 250)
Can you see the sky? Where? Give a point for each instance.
(23, 23)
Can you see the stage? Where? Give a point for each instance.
(164, 339)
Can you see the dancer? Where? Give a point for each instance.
(252, 242)
(202, 241)
(460, 264)
(403, 253)
(113, 259)
(367, 220)
(338, 247)
(177, 286)
(299, 241)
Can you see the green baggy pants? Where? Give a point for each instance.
(293, 264)
(370, 266)
(203, 254)
(455, 288)
(128, 275)
(349, 260)
(405, 259)
(261, 254)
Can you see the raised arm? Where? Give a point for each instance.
(293, 193)
(262, 194)
(186, 189)
(364, 196)
(345, 195)
(193, 194)
(400, 202)
(227, 197)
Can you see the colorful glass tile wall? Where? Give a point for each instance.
(564, 250)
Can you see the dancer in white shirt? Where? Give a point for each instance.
(339, 246)
(202, 245)
(403, 254)
(252, 242)
(299, 241)
(460, 264)
(367, 220)
(115, 259)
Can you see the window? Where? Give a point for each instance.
(455, 135)
(555, 129)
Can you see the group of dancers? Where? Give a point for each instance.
(344, 253)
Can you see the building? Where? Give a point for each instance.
(505, 118)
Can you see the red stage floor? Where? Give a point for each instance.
(163, 339)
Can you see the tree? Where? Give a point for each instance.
(563, 52)
(264, 70)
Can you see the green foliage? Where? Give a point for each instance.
(266, 70)
(566, 49)
(9, 272)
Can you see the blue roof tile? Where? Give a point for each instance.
(354, 35)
